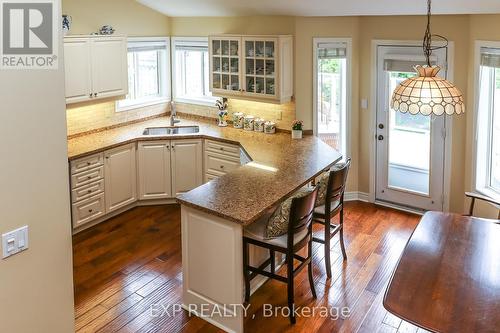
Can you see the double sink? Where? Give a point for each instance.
(171, 130)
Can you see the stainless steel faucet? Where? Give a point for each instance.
(173, 113)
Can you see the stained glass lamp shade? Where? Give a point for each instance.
(427, 94)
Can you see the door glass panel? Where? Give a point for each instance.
(225, 65)
(250, 66)
(250, 84)
(216, 64)
(259, 67)
(409, 145)
(216, 47)
(259, 49)
(250, 49)
(234, 65)
(235, 84)
(225, 82)
(225, 47)
(216, 81)
(270, 86)
(269, 50)
(259, 85)
(269, 67)
(234, 48)
(331, 99)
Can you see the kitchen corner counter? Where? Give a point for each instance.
(280, 166)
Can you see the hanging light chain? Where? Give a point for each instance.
(427, 43)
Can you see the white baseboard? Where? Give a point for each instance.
(356, 196)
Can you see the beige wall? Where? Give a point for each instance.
(128, 17)
(461, 29)
(36, 290)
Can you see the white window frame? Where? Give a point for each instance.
(346, 127)
(165, 81)
(207, 101)
(480, 167)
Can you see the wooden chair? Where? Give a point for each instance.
(298, 236)
(334, 204)
(475, 196)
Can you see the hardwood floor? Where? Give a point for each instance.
(132, 262)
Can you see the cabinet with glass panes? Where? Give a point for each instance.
(225, 63)
(266, 71)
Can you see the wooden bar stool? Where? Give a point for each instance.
(299, 235)
(474, 196)
(333, 205)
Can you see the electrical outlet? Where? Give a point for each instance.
(14, 242)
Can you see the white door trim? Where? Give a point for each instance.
(348, 127)
(373, 117)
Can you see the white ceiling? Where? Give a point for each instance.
(319, 7)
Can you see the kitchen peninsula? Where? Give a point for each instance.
(213, 213)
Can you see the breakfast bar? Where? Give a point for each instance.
(213, 217)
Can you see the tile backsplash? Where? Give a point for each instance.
(282, 114)
(88, 117)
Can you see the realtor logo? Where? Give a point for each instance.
(29, 35)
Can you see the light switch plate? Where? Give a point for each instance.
(14, 242)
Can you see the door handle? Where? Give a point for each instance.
(380, 137)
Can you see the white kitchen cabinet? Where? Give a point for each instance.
(252, 67)
(155, 180)
(187, 165)
(95, 67)
(77, 66)
(120, 177)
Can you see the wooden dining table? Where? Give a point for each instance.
(448, 276)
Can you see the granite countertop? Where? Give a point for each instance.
(280, 166)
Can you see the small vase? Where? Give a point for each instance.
(296, 134)
(222, 118)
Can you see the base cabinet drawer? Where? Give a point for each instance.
(86, 177)
(222, 148)
(88, 210)
(220, 163)
(87, 191)
(86, 163)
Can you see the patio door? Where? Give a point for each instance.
(410, 148)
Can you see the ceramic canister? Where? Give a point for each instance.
(258, 125)
(248, 123)
(238, 119)
(269, 127)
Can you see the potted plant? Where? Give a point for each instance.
(297, 129)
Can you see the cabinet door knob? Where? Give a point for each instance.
(90, 210)
(89, 191)
(95, 94)
(89, 177)
(90, 95)
(88, 163)
(221, 148)
(222, 167)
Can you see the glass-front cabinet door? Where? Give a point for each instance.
(225, 64)
(260, 70)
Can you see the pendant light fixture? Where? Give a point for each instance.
(428, 93)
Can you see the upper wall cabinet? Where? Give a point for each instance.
(252, 67)
(95, 67)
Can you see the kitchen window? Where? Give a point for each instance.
(148, 73)
(191, 71)
(331, 90)
(488, 122)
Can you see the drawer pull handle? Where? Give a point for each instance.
(89, 177)
(221, 148)
(222, 167)
(90, 210)
(89, 191)
(88, 163)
